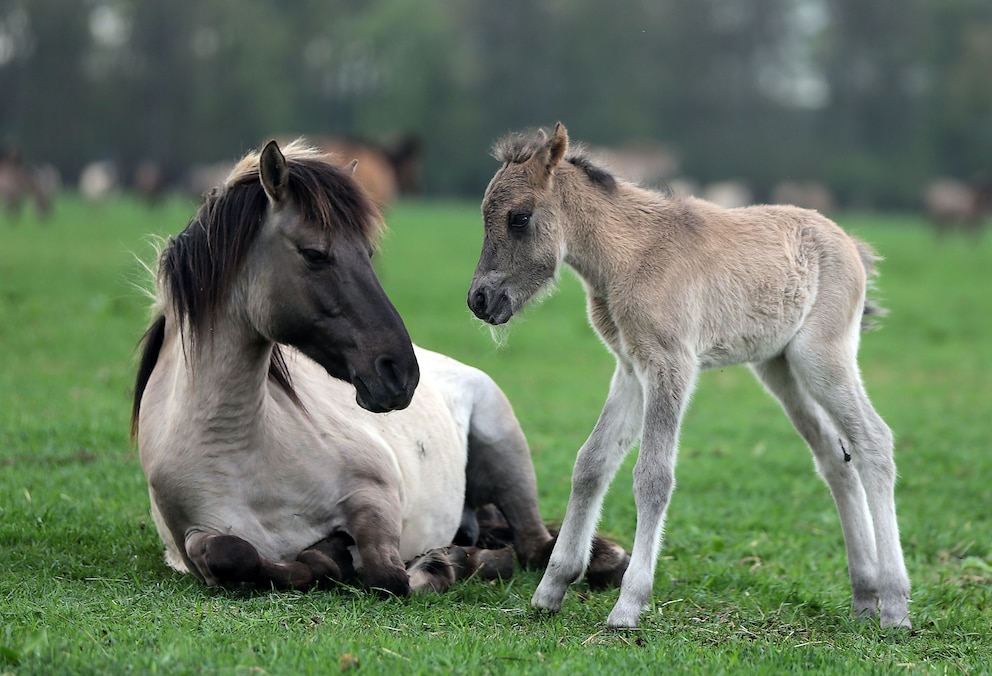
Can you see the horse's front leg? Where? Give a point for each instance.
(667, 391)
(597, 462)
(375, 520)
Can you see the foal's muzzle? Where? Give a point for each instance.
(489, 304)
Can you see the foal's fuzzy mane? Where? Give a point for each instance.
(197, 267)
(519, 147)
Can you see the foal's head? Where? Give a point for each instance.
(524, 244)
(285, 246)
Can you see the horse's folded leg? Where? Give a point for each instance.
(295, 575)
(337, 548)
(486, 564)
(607, 564)
(386, 581)
(431, 572)
(224, 560)
(323, 566)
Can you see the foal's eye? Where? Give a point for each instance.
(315, 257)
(519, 219)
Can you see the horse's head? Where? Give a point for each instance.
(523, 244)
(311, 283)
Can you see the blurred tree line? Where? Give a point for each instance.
(873, 97)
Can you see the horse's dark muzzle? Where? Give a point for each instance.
(392, 386)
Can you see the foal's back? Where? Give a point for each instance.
(736, 284)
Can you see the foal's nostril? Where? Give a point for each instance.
(477, 299)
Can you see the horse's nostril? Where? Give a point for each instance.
(391, 374)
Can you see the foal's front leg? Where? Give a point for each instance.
(596, 464)
(667, 391)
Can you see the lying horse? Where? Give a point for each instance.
(260, 407)
(678, 285)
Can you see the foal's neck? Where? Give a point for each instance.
(608, 232)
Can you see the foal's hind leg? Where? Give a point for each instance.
(826, 365)
(814, 425)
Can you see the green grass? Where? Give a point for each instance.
(753, 577)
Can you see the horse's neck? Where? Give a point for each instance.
(221, 379)
(606, 234)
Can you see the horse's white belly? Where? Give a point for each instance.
(431, 453)
(424, 446)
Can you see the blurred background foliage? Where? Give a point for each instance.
(871, 97)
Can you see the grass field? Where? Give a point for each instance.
(753, 576)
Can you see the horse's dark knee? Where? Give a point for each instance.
(225, 559)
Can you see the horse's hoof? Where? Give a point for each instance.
(607, 564)
(387, 583)
(323, 567)
(432, 572)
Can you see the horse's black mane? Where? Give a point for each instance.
(198, 266)
(520, 146)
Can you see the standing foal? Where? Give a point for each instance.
(675, 285)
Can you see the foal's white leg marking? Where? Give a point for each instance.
(667, 391)
(595, 466)
(820, 433)
(830, 374)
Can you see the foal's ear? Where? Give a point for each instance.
(352, 166)
(274, 173)
(557, 146)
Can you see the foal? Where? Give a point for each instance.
(675, 285)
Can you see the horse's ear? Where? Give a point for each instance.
(557, 146)
(352, 166)
(273, 172)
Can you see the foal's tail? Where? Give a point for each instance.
(872, 310)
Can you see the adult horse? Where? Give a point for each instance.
(674, 286)
(260, 407)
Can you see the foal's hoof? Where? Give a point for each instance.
(896, 622)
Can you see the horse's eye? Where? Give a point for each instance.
(315, 257)
(519, 219)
